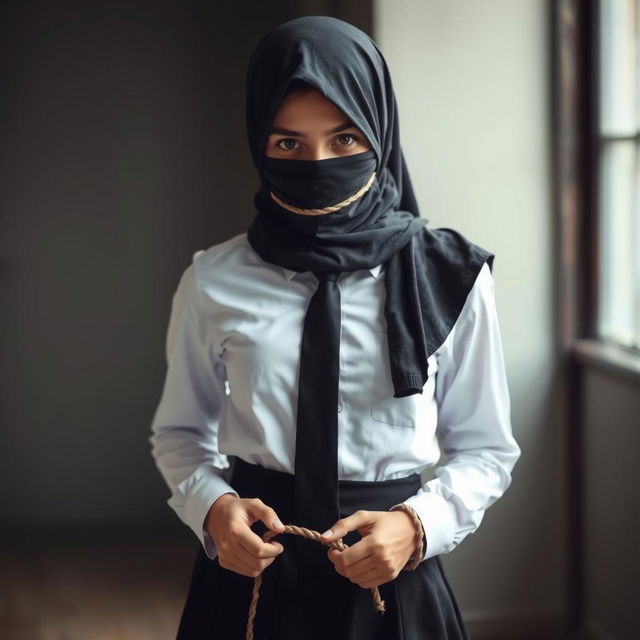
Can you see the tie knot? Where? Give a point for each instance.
(323, 276)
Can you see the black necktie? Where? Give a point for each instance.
(316, 502)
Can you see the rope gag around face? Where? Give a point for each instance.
(333, 207)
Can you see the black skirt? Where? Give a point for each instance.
(419, 604)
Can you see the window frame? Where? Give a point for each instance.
(578, 144)
(575, 140)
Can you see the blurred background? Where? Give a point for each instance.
(123, 151)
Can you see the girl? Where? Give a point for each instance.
(334, 349)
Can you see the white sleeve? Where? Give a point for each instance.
(474, 425)
(184, 430)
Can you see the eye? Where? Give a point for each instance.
(288, 147)
(350, 138)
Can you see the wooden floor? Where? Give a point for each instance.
(114, 592)
(125, 591)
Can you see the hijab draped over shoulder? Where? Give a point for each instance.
(428, 272)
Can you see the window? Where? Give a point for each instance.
(618, 172)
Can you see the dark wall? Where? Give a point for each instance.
(123, 151)
(611, 509)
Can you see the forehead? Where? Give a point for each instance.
(309, 106)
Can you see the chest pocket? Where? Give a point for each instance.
(399, 412)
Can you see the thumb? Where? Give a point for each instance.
(267, 515)
(345, 525)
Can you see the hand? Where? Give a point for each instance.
(388, 540)
(240, 549)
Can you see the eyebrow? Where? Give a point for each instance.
(290, 132)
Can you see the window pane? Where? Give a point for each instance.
(619, 243)
(619, 67)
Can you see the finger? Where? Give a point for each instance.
(254, 565)
(375, 580)
(349, 571)
(238, 564)
(345, 525)
(246, 568)
(352, 556)
(263, 512)
(255, 546)
(364, 571)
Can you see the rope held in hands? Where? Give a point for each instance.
(336, 544)
(312, 535)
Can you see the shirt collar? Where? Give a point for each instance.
(289, 273)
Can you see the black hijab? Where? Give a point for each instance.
(428, 272)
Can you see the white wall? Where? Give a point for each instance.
(471, 83)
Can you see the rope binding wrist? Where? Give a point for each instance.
(416, 556)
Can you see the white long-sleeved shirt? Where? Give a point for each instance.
(233, 346)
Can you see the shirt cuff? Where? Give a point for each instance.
(209, 547)
(203, 493)
(438, 521)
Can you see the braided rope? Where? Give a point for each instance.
(416, 556)
(330, 209)
(312, 535)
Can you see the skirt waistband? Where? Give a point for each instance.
(252, 480)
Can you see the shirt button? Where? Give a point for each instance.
(339, 407)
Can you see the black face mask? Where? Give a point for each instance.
(314, 184)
